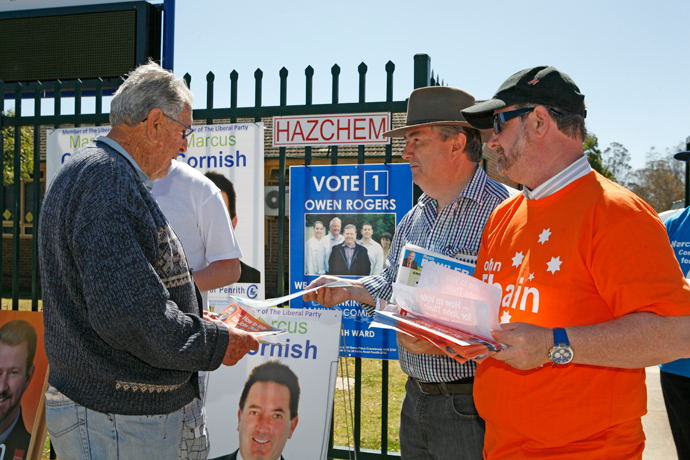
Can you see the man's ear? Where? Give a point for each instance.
(459, 143)
(154, 123)
(542, 121)
(239, 418)
(234, 222)
(293, 425)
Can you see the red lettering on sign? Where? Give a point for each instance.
(298, 126)
(347, 128)
(359, 128)
(322, 135)
(309, 138)
(373, 134)
(286, 130)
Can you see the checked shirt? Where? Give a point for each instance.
(456, 232)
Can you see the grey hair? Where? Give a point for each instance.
(148, 87)
(350, 226)
(333, 220)
(473, 143)
(569, 123)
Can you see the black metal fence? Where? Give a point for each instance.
(36, 92)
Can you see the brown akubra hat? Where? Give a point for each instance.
(437, 105)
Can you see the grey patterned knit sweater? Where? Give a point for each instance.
(122, 328)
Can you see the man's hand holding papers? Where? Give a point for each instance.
(449, 312)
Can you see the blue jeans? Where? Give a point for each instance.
(80, 433)
(439, 427)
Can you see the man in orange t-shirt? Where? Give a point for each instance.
(591, 291)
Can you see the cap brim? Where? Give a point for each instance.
(479, 115)
(400, 132)
(682, 156)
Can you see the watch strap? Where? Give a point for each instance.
(560, 336)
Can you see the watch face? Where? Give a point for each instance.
(561, 355)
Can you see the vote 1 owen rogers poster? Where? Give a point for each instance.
(329, 204)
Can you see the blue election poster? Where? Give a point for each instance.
(342, 222)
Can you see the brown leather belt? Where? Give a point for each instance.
(458, 387)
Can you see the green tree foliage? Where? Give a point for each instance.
(27, 153)
(594, 156)
(661, 181)
(617, 160)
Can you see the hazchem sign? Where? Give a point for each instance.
(351, 128)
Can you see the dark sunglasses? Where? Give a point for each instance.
(499, 119)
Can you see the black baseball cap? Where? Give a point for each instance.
(538, 85)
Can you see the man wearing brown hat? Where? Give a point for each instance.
(438, 419)
(591, 291)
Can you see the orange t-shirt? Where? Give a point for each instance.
(589, 253)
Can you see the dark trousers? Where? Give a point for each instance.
(676, 389)
(439, 427)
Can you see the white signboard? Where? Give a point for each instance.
(234, 150)
(351, 128)
(18, 5)
(310, 351)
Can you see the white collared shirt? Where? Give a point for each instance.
(578, 169)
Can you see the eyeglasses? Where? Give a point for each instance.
(188, 130)
(499, 119)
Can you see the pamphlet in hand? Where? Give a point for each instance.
(241, 312)
(449, 309)
(414, 260)
(245, 318)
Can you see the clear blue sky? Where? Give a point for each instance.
(629, 58)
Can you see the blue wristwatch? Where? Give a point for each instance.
(561, 353)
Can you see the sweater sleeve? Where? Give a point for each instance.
(128, 305)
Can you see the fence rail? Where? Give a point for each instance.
(57, 91)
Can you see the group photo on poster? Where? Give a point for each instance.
(347, 244)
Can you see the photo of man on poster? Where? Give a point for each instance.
(267, 416)
(373, 248)
(312, 249)
(349, 258)
(18, 341)
(248, 274)
(409, 261)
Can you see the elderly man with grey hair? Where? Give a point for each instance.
(334, 237)
(124, 333)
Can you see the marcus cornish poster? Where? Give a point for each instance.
(235, 152)
(278, 400)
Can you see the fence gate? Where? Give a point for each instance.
(22, 200)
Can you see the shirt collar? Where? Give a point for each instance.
(578, 169)
(118, 148)
(474, 190)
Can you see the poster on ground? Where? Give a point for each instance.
(329, 204)
(306, 358)
(235, 150)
